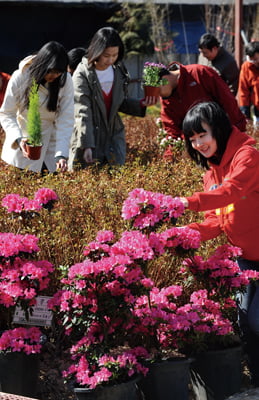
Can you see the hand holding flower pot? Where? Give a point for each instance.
(32, 145)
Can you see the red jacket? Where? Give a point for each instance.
(231, 196)
(248, 89)
(4, 78)
(198, 83)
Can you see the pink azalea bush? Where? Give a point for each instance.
(22, 277)
(101, 296)
(115, 316)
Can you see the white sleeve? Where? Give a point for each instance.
(65, 118)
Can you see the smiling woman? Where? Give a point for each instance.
(231, 202)
(204, 142)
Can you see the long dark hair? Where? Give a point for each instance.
(51, 56)
(103, 38)
(213, 115)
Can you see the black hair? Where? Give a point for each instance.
(75, 56)
(52, 56)
(213, 115)
(103, 38)
(208, 41)
(252, 48)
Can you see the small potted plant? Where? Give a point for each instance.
(34, 140)
(152, 79)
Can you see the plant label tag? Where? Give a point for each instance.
(41, 315)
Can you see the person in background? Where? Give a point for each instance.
(100, 86)
(74, 58)
(49, 69)
(220, 59)
(189, 85)
(248, 89)
(230, 201)
(4, 79)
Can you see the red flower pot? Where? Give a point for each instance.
(152, 91)
(33, 151)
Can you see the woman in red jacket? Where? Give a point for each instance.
(230, 201)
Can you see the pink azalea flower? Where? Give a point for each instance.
(45, 195)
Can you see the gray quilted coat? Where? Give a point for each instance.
(92, 129)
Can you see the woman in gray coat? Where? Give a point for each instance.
(100, 88)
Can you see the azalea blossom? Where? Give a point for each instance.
(21, 339)
(147, 208)
(14, 203)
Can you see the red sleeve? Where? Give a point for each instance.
(209, 228)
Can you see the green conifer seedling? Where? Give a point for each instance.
(33, 117)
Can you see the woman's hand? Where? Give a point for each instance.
(23, 148)
(149, 101)
(184, 201)
(88, 156)
(61, 165)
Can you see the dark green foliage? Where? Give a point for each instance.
(133, 22)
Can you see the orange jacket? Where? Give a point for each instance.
(248, 88)
(231, 196)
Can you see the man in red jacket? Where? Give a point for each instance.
(248, 90)
(4, 78)
(192, 84)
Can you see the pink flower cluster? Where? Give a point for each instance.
(175, 238)
(13, 245)
(25, 340)
(173, 326)
(146, 209)
(14, 203)
(139, 246)
(21, 281)
(45, 195)
(220, 274)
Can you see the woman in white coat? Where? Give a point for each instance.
(49, 69)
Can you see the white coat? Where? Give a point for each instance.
(57, 127)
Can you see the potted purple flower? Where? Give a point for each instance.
(152, 79)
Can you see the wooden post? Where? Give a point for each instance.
(238, 27)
